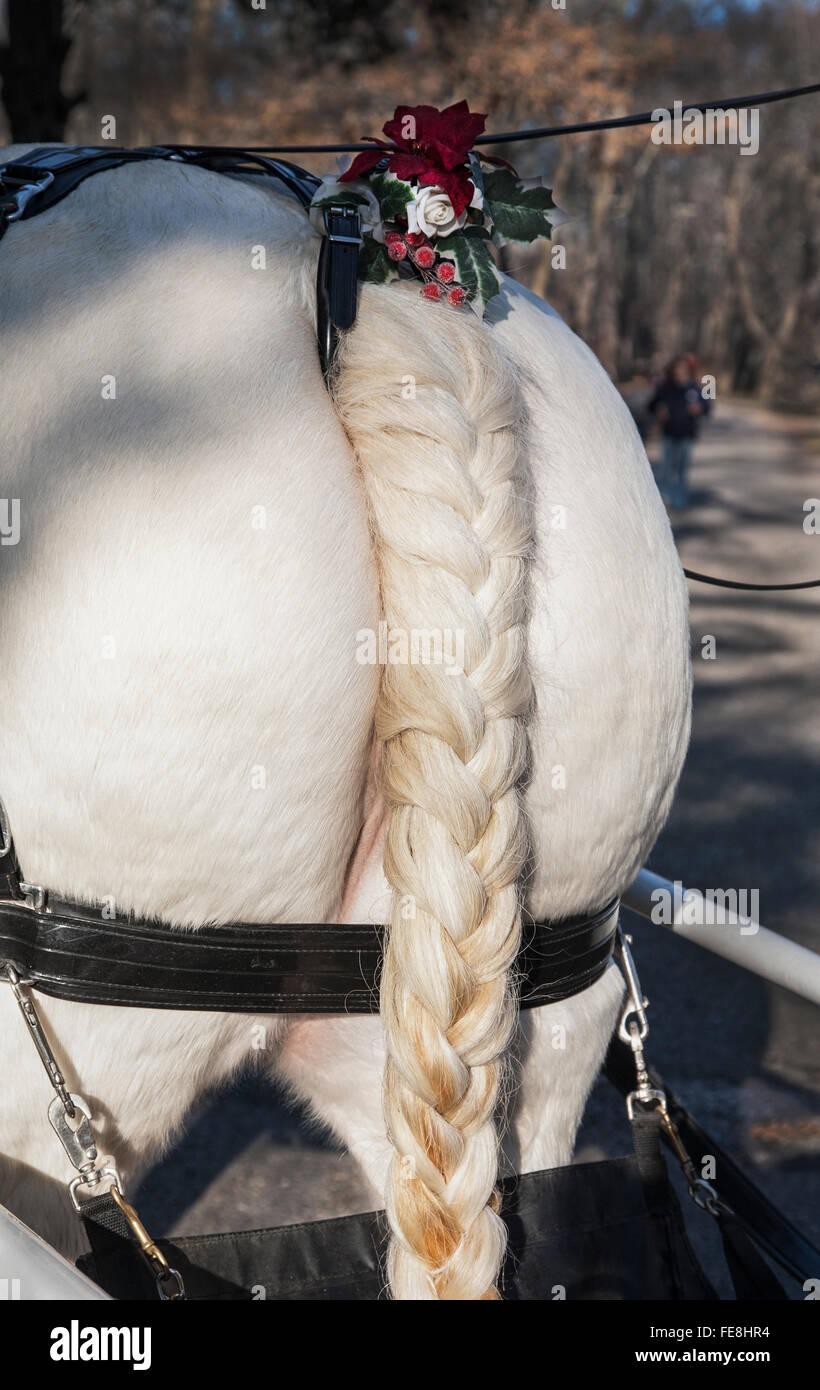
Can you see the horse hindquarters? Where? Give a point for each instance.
(185, 727)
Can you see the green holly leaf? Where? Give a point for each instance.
(375, 265)
(518, 213)
(476, 171)
(475, 266)
(393, 196)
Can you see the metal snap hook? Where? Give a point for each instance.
(77, 1139)
(636, 1003)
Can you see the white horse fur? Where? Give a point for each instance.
(185, 729)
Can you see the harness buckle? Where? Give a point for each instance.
(346, 218)
(31, 180)
(34, 894)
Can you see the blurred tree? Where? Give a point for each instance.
(31, 68)
(669, 248)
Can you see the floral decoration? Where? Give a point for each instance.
(431, 209)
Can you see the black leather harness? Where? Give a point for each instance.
(73, 951)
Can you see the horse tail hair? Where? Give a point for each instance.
(432, 407)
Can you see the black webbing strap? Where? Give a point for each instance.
(753, 1280)
(661, 1201)
(646, 1139)
(751, 1217)
(109, 1234)
(104, 1222)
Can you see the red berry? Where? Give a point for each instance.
(397, 250)
(446, 272)
(424, 256)
(390, 237)
(415, 238)
(455, 296)
(432, 291)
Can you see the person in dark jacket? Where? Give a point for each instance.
(677, 405)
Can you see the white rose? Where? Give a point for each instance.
(431, 212)
(369, 210)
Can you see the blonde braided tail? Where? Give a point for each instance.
(432, 408)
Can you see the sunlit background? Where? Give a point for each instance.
(687, 247)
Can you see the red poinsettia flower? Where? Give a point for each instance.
(428, 145)
(445, 136)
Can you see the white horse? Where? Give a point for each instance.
(187, 729)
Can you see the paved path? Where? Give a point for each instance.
(742, 1054)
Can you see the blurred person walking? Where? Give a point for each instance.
(677, 406)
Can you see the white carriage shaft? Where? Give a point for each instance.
(33, 1270)
(726, 933)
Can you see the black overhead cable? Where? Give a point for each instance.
(549, 132)
(645, 117)
(736, 584)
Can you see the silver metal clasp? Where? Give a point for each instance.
(636, 1002)
(34, 894)
(70, 1118)
(644, 1094)
(75, 1134)
(74, 1131)
(634, 1030)
(24, 194)
(634, 1027)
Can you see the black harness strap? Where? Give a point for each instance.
(337, 279)
(752, 1217)
(49, 173)
(70, 951)
(73, 951)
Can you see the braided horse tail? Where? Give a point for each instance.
(433, 411)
